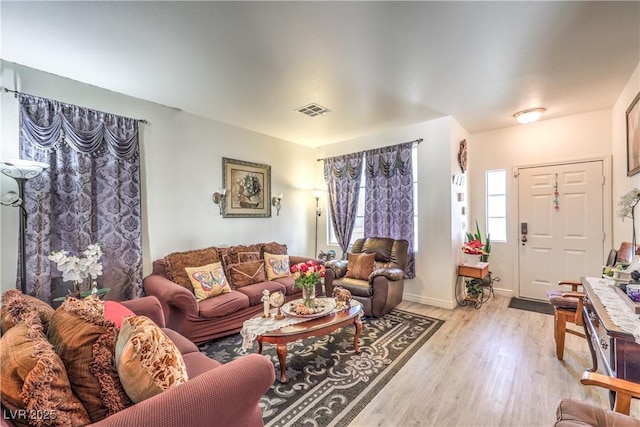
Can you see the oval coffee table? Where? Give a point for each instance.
(315, 327)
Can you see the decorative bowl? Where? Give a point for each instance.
(633, 291)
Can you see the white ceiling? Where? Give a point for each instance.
(375, 65)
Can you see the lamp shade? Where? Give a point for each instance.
(22, 169)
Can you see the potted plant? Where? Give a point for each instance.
(475, 246)
(474, 287)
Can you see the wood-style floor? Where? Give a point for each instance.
(495, 366)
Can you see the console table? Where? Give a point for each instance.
(615, 348)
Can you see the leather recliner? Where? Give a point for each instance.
(385, 285)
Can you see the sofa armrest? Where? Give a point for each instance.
(177, 301)
(227, 395)
(393, 274)
(338, 266)
(147, 306)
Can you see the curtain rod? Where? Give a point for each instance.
(15, 92)
(415, 141)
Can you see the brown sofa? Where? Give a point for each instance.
(201, 321)
(215, 394)
(382, 289)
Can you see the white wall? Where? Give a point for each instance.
(569, 138)
(436, 260)
(181, 161)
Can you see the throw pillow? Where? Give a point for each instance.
(15, 305)
(147, 361)
(35, 387)
(276, 265)
(246, 273)
(274, 248)
(360, 266)
(178, 261)
(116, 312)
(208, 281)
(241, 253)
(85, 341)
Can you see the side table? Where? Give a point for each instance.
(479, 271)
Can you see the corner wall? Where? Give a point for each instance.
(181, 167)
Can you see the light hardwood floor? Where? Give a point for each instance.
(495, 366)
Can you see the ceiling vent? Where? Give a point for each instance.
(313, 110)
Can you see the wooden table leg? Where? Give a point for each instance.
(358, 324)
(259, 345)
(282, 357)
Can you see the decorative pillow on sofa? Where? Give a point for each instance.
(276, 265)
(16, 305)
(246, 273)
(34, 379)
(360, 266)
(178, 261)
(208, 281)
(274, 248)
(147, 361)
(116, 312)
(241, 253)
(86, 341)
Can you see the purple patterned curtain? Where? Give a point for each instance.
(90, 194)
(388, 208)
(342, 175)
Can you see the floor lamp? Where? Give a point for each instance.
(316, 195)
(21, 171)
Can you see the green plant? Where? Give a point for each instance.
(474, 287)
(486, 246)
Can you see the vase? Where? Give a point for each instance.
(309, 296)
(471, 259)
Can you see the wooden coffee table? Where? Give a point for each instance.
(315, 327)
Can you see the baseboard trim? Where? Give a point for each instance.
(450, 305)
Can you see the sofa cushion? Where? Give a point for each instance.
(241, 253)
(223, 305)
(246, 273)
(380, 246)
(116, 312)
(15, 305)
(276, 265)
(148, 362)
(85, 341)
(360, 266)
(288, 283)
(34, 378)
(254, 292)
(176, 263)
(357, 287)
(274, 248)
(208, 280)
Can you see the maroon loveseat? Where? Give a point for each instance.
(201, 321)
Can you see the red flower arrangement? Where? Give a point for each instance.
(307, 274)
(474, 247)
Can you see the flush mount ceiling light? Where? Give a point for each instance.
(529, 116)
(313, 110)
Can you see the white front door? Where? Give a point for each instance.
(562, 207)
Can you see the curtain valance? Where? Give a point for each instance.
(389, 161)
(46, 123)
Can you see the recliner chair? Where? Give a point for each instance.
(383, 289)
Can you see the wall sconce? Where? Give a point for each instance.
(529, 116)
(219, 198)
(21, 171)
(275, 201)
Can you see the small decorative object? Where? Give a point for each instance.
(633, 137)
(556, 195)
(307, 275)
(474, 245)
(342, 297)
(633, 291)
(327, 256)
(266, 304)
(276, 299)
(626, 209)
(249, 189)
(77, 270)
(462, 156)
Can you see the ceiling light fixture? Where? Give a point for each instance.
(529, 116)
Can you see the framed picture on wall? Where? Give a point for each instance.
(633, 137)
(248, 189)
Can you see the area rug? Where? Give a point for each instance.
(328, 384)
(529, 305)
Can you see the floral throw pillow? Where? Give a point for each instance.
(208, 281)
(276, 266)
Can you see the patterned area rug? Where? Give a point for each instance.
(328, 384)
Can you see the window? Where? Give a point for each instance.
(497, 205)
(358, 229)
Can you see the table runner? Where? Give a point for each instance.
(259, 325)
(620, 313)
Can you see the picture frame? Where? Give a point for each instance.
(633, 137)
(248, 189)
